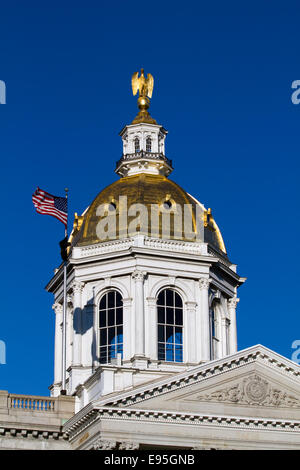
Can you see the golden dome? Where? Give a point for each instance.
(146, 189)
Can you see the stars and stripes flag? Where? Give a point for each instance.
(46, 203)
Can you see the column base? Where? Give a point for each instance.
(77, 375)
(140, 362)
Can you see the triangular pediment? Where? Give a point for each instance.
(259, 384)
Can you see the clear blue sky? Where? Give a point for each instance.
(223, 74)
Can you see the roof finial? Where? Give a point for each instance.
(145, 88)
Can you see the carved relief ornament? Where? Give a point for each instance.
(253, 391)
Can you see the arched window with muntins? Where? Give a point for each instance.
(148, 144)
(110, 326)
(170, 326)
(136, 144)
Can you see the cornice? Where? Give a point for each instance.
(247, 423)
(198, 418)
(57, 280)
(146, 242)
(80, 417)
(26, 430)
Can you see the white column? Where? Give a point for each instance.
(58, 309)
(223, 335)
(231, 304)
(204, 313)
(127, 323)
(88, 347)
(191, 355)
(152, 329)
(69, 335)
(138, 277)
(77, 291)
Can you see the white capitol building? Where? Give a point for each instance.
(151, 358)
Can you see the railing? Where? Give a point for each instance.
(31, 403)
(18, 406)
(145, 155)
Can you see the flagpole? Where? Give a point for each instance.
(64, 325)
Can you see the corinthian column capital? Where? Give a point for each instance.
(232, 303)
(152, 301)
(129, 446)
(77, 287)
(204, 282)
(191, 306)
(102, 444)
(138, 275)
(57, 307)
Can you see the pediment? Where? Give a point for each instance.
(254, 382)
(250, 389)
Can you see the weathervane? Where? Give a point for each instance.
(145, 88)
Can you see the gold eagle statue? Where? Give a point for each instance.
(142, 84)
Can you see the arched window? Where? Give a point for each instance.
(136, 145)
(110, 326)
(170, 326)
(148, 144)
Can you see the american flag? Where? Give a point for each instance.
(56, 206)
